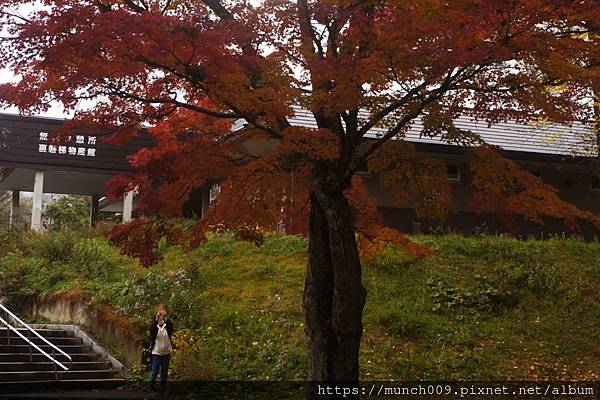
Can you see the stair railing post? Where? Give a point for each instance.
(55, 367)
(7, 329)
(30, 347)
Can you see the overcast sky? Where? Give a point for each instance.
(6, 75)
(55, 111)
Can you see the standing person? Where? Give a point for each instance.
(161, 332)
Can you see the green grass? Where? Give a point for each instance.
(481, 308)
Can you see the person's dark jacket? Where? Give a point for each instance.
(154, 332)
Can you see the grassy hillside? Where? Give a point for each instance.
(480, 308)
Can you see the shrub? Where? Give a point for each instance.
(486, 296)
(57, 276)
(95, 256)
(138, 295)
(541, 278)
(197, 275)
(189, 361)
(9, 239)
(250, 235)
(16, 272)
(57, 246)
(67, 212)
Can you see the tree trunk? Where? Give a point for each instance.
(334, 296)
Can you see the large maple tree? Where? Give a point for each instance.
(193, 69)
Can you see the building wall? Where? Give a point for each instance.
(470, 223)
(572, 180)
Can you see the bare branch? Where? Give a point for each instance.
(219, 9)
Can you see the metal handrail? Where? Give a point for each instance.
(31, 344)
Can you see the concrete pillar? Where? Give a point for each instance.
(127, 206)
(205, 200)
(38, 193)
(417, 228)
(94, 207)
(14, 209)
(281, 228)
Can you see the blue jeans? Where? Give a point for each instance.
(159, 363)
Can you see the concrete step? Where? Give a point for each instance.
(43, 386)
(122, 393)
(49, 366)
(22, 348)
(21, 372)
(55, 340)
(24, 357)
(22, 376)
(43, 331)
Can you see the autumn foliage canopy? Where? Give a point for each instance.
(192, 70)
(216, 82)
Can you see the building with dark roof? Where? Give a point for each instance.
(564, 156)
(31, 162)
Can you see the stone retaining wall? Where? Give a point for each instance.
(113, 331)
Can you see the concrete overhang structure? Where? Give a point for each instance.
(30, 161)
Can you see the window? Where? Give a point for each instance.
(595, 182)
(453, 173)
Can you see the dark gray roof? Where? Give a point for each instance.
(575, 140)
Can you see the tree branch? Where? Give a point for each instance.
(219, 9)
(307, 33)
